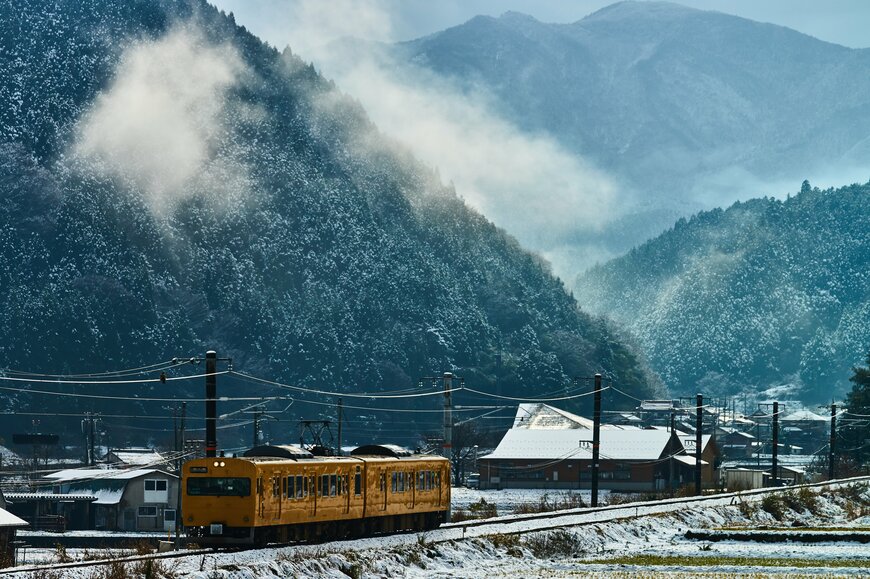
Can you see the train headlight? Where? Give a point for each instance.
(216, 463)
(223, 463)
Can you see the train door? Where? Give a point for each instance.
(410, 489)
(382, 485)
(277, 494)
(261, 498)
(310, 491)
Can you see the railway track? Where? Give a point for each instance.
(504, 525)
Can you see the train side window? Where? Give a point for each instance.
(343, 487)
(324, 485)
(284, 486)
(383, 482)
(428, 481)
(357, 482)
(305, 486)
(401, 482)
(394, 483)
(333, 484)
(299, 494)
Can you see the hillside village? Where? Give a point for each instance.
(650, 451)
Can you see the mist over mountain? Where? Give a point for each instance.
(170, 184)
(766, 292)
(682, 109)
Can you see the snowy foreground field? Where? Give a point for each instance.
(633, 541)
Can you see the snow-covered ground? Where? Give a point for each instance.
(509, 499)
(520, 547)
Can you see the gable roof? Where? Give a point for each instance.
(804, 416)
(142, 457)
(688, 442)
(540, 416)
(576, 444)
(93, 474)
(7, 519)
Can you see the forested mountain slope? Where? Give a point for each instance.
(170, 184)
(765, 292)
(688, 109)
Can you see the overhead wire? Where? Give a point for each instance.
(91, 382)
(370, 395)
(533, 400)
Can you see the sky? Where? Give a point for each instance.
(839, 21)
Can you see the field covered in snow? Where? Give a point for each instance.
(635, 540)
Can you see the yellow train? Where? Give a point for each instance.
(283, 494)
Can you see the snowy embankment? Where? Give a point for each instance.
(574, 544)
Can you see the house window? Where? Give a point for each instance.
(147, 511)
(156, 491)
(169, 515)
(156, 485)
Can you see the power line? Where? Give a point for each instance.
(376, 396)
(143, 381)
(533, 400)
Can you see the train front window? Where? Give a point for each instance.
(209, 486)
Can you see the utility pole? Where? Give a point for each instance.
(178, 518)
(596, 439)
(833, 444)
(774, 470)
(699, 427)
(210, 404)
(671, 458)
(338, 446)
(448, 416)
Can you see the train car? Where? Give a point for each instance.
(279, 494)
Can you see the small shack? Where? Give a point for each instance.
(9, 525)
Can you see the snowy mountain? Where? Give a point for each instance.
(171, 184)
(766, 292)
(687, 109)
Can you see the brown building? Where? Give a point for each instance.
(550, 448)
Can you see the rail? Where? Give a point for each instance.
(497, 525)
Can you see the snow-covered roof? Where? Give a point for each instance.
(804, 416)
(657, 405)
(688, 441)
(545, 417)
(108, 496)
(80, 474)
(538, 416)
(8, 456)
(25, 497)
(7, 519)
(690, 460)
(138, 456)
(576, 444)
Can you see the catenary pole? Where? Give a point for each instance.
(699, 428)
(596, 439)
(774, 460)
(211, 404)
(833, 444)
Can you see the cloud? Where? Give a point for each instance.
(528, 184)
(160, 123)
